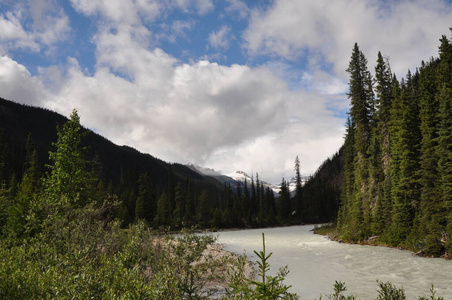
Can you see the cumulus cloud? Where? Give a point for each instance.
(253, 118)
(16, 83)
(327, 30)
(50, 23)
(238, 8)
(12, 34)
(145, 98)
(220, 38)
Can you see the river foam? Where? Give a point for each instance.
(315, 263)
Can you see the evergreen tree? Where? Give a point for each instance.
(179, 209)
(379, 150)
(27, 192)
(246, 203)
(70, 177)
(203, 210)
(285, 209)
(145, 207)
(298, 190)
(405, 155)
(163, 216)
(361, 112)
(428, 172)
(238, 206)
(270, 206)
(190, 206)
(444, 151)
(254, 209)
(347, 190)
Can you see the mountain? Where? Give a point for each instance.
(240, 176)
(119, 164)
(148, 188)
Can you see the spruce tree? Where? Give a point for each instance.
(27, 192)
(347, 189)
(179, 209)
(285, 208)
(298, 190)
(70, 175)
(380, 146)
(428, 173)
(163, 216)
(361, 112)
(444, 151)
(145, 207)
(405, 191)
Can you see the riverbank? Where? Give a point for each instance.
(316, 263)
(332, 234)
(216, 285)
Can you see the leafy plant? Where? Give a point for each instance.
(268, 287)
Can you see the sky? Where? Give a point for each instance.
(225, 84)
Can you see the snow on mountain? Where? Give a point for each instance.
(241, 176)
(204, 171)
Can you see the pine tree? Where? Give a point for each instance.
(204, 210)
(145, 207)
(405, 189)
(190, 206)
(254, 209)
(285, 208)
(163, 216)
(246, 203)
(70, 177)
(27, 192)
(347, 190)
(298, 190)
(238, 206)
(380, 146)
(361, 112)
(428, 173)
(179, 209)
(444, 151)
(270, 206)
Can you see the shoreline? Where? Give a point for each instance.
(216, 289)
(372, 241)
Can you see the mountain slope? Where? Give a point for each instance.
(117, 162)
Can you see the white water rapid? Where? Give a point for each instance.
(315, 263)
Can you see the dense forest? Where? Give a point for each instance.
(77, 212)
(397, 155)
(164, 195)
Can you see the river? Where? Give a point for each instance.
(315, 263)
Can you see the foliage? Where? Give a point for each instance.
(397, 155)
(269, 287)
(70, 175)
(339, 289)
(387, 291)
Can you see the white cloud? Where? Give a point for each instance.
(238, 9)
(174, 30)
(204, 6)
(50, 23)
(13, 35)
(227, 117)
(220, 39)
(33, 25)
(17, 84)
(186, 112)
(327, 30)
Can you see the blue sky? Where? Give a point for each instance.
(231, 85)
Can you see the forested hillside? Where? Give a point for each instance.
(137, 180)
(398, 154)
(164, 195)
